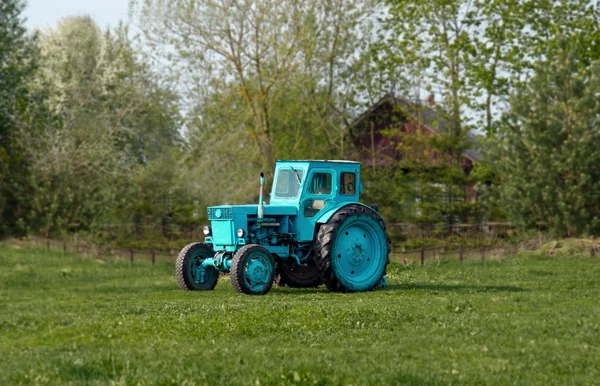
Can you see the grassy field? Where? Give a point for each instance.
(523, 320)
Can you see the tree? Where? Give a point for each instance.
(473, 53)
(547, 153)
(17, 65)
(509, 37)
(426, 46)
(111, 118)
(430, 40)
(421, 181)
(266, 52)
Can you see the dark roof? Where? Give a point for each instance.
(425, 115)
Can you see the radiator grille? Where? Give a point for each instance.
(219, 213)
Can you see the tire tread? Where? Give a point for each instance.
(326, 238)
(236, 273)
(181, 269)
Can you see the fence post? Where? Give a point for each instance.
(460, 253)
(131, 255)
(153, 256)
(422, 256)
(404, 255)
(482, 253)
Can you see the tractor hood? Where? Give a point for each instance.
(225, 220)
(227, 212)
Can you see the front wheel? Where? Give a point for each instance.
(352, 250)
(190, 273)
(252, 270)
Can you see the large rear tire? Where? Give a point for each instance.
(352, 250)
(252, 270)
(190, 274)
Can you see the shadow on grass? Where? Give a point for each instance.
(456, 288)
(405, 287)
(285, 291)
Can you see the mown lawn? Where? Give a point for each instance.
(523, 320)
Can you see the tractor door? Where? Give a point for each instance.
(319, 196)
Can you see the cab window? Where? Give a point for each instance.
(288, 183)
(348, 183)
(320, 183)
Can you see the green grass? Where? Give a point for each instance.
(526, 320)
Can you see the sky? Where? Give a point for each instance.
(42, 14)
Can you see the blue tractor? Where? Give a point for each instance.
(313, 231)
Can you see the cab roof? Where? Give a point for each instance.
(321, 160)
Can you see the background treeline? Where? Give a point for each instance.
(123, 135)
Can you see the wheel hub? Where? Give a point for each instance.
(357, 252)
(199, 271)
(354, 250)
(257, 272)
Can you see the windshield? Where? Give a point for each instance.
(288, 183)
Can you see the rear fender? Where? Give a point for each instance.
(327, 215)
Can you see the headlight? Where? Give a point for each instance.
(206, 230)
(240, 233)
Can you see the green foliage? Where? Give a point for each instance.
(429, 183)
(85, 322)
(110, 119)
(18, 60)
(511, 36)
(266, 80)
(486, 178)
(430, 42)
(474, 53)
(548, 150)
(98, 129)
(425, 46)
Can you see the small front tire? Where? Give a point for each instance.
(190, 273)
(252, 270)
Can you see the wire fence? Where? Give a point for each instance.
(399, 254)
(424, 255)
(406, 231)
(102, 252)
(489, 230)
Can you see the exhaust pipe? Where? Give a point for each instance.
(261, 204)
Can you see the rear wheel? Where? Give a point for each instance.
(252, 270)
(190, 273)
(352, 250)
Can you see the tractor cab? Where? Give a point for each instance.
(314, 188)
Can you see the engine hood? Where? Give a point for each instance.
(225, 220)
(227, 212)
